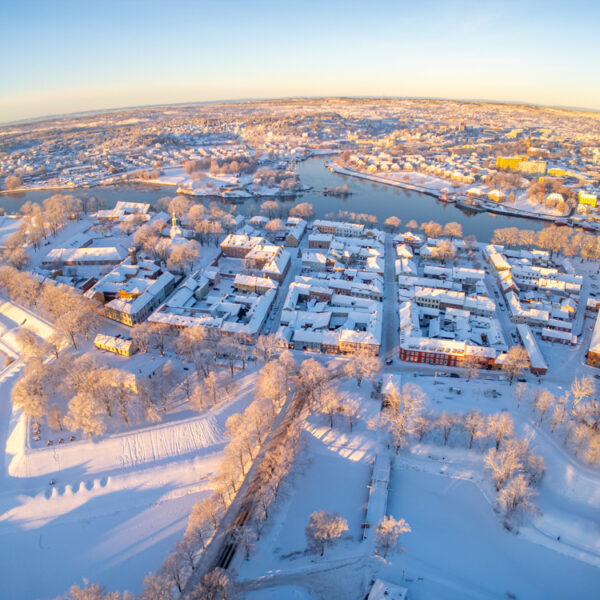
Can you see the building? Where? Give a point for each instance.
(238, 245)
(592, 357)
(295, 229)
(131, 291)
(537, 364)
(339, 228)
(587, 199)
(84, 257)
(117, 345)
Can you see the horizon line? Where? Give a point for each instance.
(97, 111)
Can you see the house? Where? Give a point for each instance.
(118, 345)
(592, 357)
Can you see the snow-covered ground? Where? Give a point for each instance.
(117, 505)
(458, 546)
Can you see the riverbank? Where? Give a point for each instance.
(477, 206)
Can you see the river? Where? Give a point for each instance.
(367, 197)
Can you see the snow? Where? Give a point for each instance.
(460, 549)
(118, 505)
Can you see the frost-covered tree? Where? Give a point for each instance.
(267, 347)
(520, 392)
(453, 230)
(581, 388)
(324, 528)
(304, 210)
(516, 495)
(350, 409)
(544, 400)
(500, 427)
(361, 365)
(330, 402)
(475, 425)
(507, 461)
(388, 533)
(444, 423)
(313, 378)
(517, 360)
(85, 414)
(157, 587)
(392, 222)
(402, 412)
(214, 585)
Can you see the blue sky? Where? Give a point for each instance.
(63, 56)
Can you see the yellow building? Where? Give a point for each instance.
(556, 172)
(509, 162)
(118, 345)
(587, 198)
(533, 167)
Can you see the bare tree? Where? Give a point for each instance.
(330, 402)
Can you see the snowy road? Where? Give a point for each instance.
(389, 342)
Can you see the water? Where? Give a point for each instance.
(368, 197)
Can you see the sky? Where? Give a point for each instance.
(63, 56)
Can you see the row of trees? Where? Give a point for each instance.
(557, 240)
(39, 222)
(515, 470)
(72, 315)
(573, 415)
(246, 432)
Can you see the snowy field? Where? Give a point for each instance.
(460, 550)
(458, 547)
(118, 505)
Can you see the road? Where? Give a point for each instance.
(389, 334)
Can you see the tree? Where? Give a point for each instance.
(246, 538)
(431, 229)
(29, 392)
(445, 423)
(412, 224)
(141, 334)
(12, 182)
(361, 365)
(270, 208)
(330, 403)
(313, 377)
(388, 533)
(392, 222)
(266, 347)
(517, 360)
(499, 427)
(350, 409)
(581, 388)
(543, 402)
(85, 414)
(402, 414)
(156, 587)
(215, 585)
(270, 383)
(304, 210)
(93, 591)
(475, 425)
(506, 462)
(520, 391)
(453, 230)
(324, 528)
(515, 496)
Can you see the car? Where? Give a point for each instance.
(455, 375)
(389, 361)
(522, 379)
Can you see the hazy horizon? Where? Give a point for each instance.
(68, 57)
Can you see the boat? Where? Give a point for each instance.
(561, 223)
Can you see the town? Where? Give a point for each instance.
(234, 389)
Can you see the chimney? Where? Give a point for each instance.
(133, 255)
